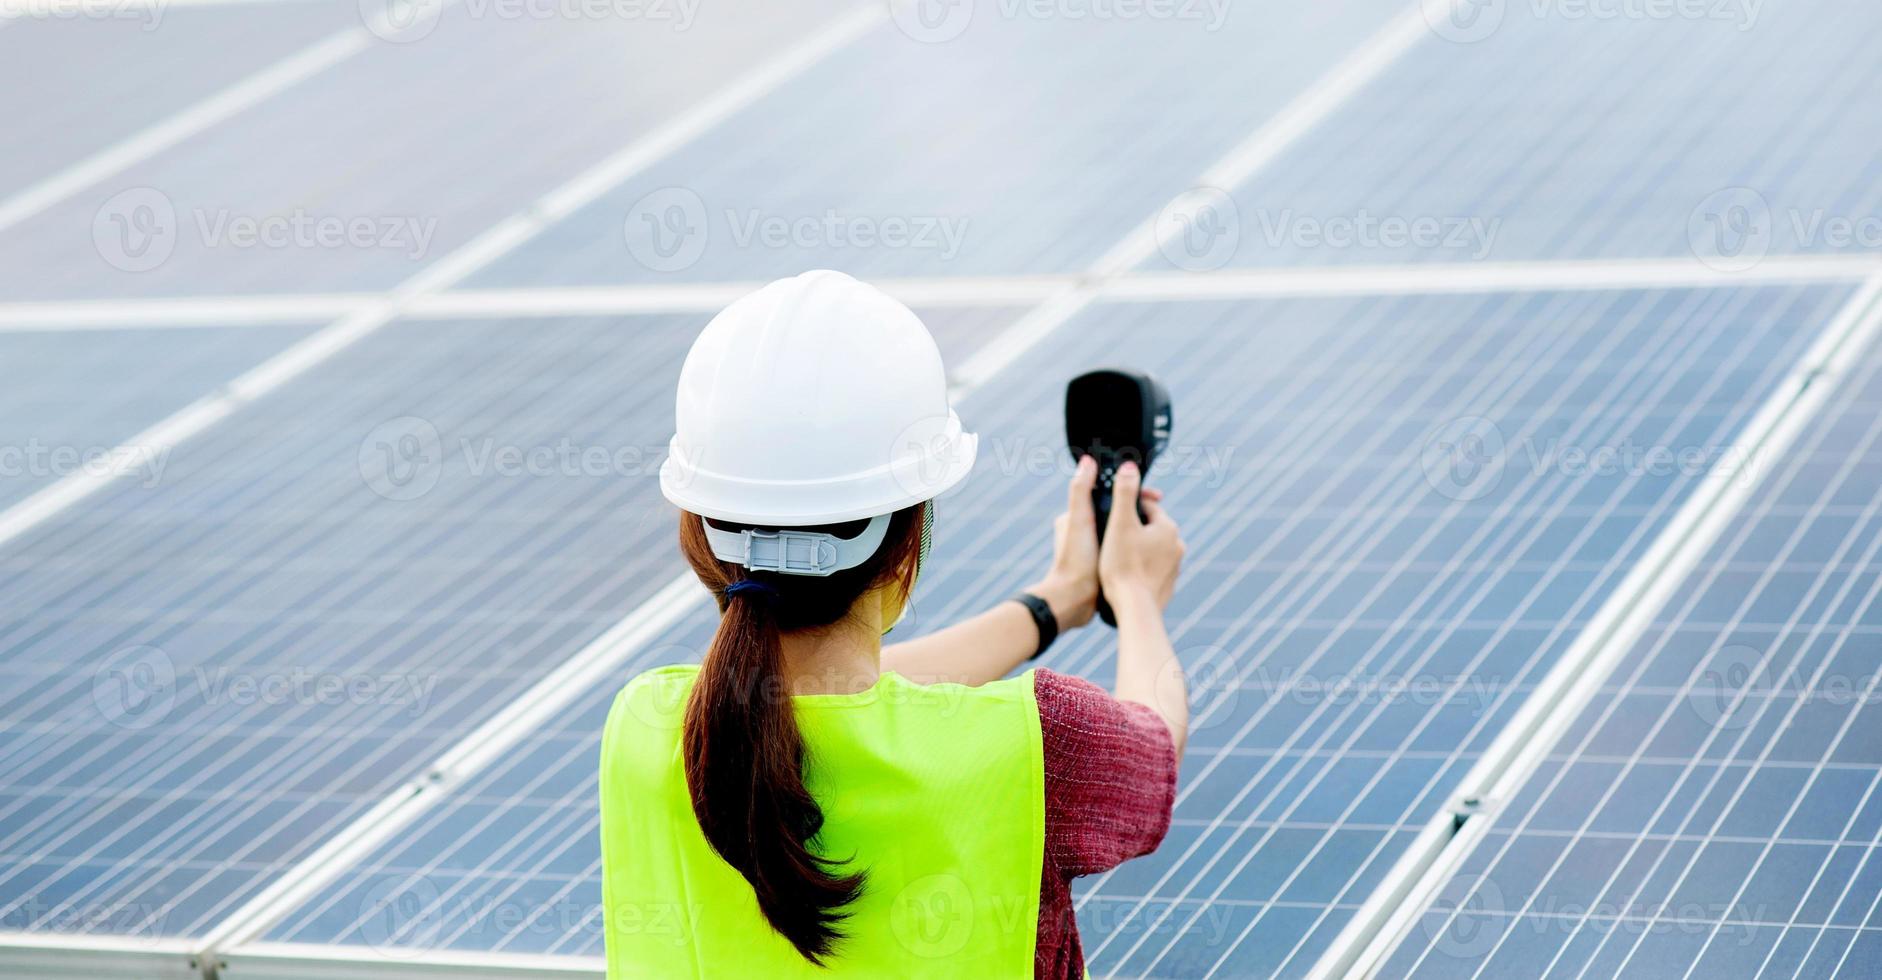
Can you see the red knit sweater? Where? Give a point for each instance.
(1110, 786)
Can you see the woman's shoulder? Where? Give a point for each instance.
(1018, 690)
(1068, 690)
(654, 698)
(664, 676)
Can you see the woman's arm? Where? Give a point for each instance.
(986, 647)
(990, 645)
(1141, 562)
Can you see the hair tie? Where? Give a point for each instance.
(761, 591)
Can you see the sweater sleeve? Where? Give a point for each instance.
(1110, 771)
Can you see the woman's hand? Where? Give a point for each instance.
(1071, 586)
(1141, 557)
(994, 643)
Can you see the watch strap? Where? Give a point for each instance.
(1042, 617)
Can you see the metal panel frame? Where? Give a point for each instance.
(299, 961)
(1395, 902)
(1433, 857)
(1376, 931)
(44, 956)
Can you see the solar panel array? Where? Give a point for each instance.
(1714, 811)
(91, 392)
(211, 674)
(1328, 553)
(419, 138)
(1404, 509)
(57, 112)
(1062, 135)
(1564, 137)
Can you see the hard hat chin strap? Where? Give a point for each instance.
(789, 552)
(921, 563)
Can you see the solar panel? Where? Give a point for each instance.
(1713, 812)
(510, 863)
(200, 52)
(1027, 144)
(1542, 134)
(90, 391)
(206, 678)
(1403, 509)
(417, 141)
(1359, 618)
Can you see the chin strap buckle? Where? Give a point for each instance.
(789, 552)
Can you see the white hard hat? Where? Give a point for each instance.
(815, 400)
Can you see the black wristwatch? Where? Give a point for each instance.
(1042, 617)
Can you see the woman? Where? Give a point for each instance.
(806, 802)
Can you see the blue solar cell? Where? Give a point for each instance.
(1678, 136)
(1714, 811)
(1353, 636)
(429, 144)
(1026, 144)
(183, 56)
(87, 392)
(202, 680)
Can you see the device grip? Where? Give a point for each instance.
(1101, 506)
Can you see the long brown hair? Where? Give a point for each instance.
(744, 754)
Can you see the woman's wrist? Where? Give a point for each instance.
(1134, 602)
(1070, 603)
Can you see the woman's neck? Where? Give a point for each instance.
(844, 659)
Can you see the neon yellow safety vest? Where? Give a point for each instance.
(938, 791)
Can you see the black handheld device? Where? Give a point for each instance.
(1116, 416)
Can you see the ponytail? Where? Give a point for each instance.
(743, 751)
